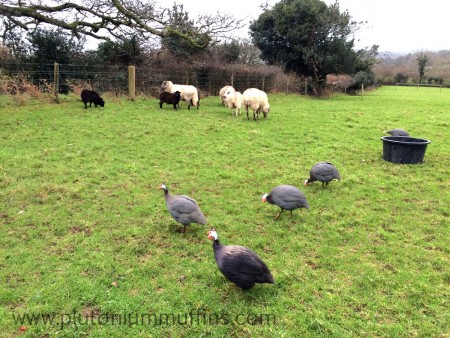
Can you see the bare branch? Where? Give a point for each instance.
(104, 19)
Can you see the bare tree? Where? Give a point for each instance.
(103, 19)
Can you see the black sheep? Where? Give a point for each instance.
(170, 98)
(91, 97)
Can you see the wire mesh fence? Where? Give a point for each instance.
(147, 80)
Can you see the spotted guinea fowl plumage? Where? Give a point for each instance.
(397, 132)
(324, 172)
(239, 264)
(183, 209)
(287, 197)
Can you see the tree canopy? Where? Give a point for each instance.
(422, 61)
(53, 46)
(311, 39)
(115, 18)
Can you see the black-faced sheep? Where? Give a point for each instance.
(169, 98)
(188, 92)
(91, 97)
(257, 100)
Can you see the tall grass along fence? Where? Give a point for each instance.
(15, 78)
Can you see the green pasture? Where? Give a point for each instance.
(88, 248)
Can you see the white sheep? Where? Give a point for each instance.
(233, 100)
(257, 100)
(223, 90)
(188, 92)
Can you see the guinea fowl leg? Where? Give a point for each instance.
(279, 214)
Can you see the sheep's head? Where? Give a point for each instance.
(166, 85)
(265, 110)
(226, 95)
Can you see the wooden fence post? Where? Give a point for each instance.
(232, 78)
(263, 82)
(132, 83)
(56, 81)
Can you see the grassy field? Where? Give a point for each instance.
(88, 248)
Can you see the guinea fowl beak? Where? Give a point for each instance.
(306, 182)
(264, 198)
(210, 237)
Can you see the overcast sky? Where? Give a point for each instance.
(399, 26)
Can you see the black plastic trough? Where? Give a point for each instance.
(404, 150)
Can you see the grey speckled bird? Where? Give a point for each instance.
(287, 197)
(324, 172)
(397, 132)
(239, 264)
(183, 209)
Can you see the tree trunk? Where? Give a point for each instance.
(317, 86)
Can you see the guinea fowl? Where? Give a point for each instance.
(287, 197)
(397, 132)
(324, 172)
(183, 209)
(239, 264)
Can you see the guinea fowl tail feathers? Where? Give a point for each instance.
(266, 278)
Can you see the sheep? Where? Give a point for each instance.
(223, 90)
(169, 98)
(257, 100)
(233, 100)
(91, 97)
(188, 93)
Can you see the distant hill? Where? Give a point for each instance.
(392, 64)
